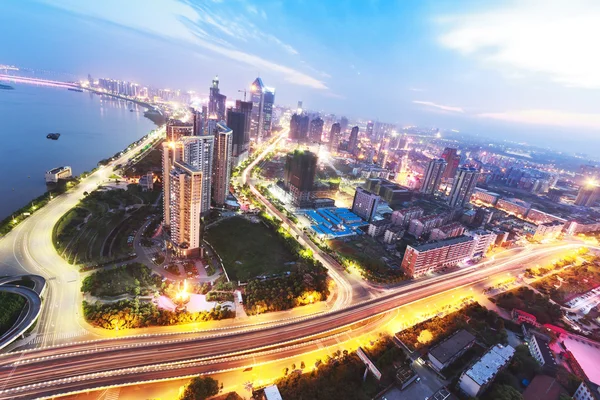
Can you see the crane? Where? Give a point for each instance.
(243, 91)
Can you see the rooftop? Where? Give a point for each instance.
(543, 387)
(442, 243)
(484, 370)
(447, 349)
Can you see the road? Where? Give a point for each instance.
(32, 308)
(346, 285)
(28, 249)
(87, 365)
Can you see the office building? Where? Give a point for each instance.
(198, 151)
(262, 99)
(430, 257)
(446, 352)
(216, 101)
(171, 152)
(198, 121)
(237, 122)
(404, 216)
(390, 192)
(588, 195)
(365, 204)
(315, 130)
(480, 376)
(177, 129)
(353, 141)
(221, 172)
(433, 176)
(334, 137)
(343, 124)
(245, 107)
(299, 128)
(299, 176)
(463, 187)
(452, 161)
(185, 198)
(369, 130)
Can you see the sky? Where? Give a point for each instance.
(526, 70)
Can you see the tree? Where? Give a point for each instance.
(200, 388)
(505, 392)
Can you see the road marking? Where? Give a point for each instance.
(112, 394)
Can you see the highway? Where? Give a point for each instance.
(97, 360)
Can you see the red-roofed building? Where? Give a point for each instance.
(556, 329)
(522, 316)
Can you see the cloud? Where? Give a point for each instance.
(548, 117)
(555, 38)
(197, 24)
(412, 89)
(439, 106)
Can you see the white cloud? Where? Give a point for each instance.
(172, 19)
(548, 117)
(555, 38)
(439, 106)
(412, 89)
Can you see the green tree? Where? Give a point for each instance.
(505, 392)
(200, 388)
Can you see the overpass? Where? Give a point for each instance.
(33, 305)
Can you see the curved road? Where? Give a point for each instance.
(33, 305)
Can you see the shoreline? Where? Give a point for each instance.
(15, 217)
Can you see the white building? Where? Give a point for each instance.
(483, 241)
(476, 379)
(393, 234)
(55, 174)
(540, 350)
(587, 391)
(377, 228)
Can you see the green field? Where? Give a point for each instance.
(249, 249)
(12, 304)
(96, 230)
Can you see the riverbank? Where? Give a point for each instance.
(153, 113)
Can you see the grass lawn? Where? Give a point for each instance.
(249, 249)
(12, 305)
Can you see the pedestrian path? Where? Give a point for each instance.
(59, 336)
(112, 394)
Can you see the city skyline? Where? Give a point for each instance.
(449, 66)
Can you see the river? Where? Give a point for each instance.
(91, 127)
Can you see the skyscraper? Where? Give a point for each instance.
(237, 122)
(222, 163)
(433, 176)
(316, 130)
(299, 127)
(216, 101)
(177, 129)
(343, 124)
(453, 160)
(198, 151)
(370, 129)
(185, 198)
(262, 99)
(299, 175)
(365, 204)
(588, 195)
(171, 152)
(353, 142)
(334, 137)
(198, 122)
(245, 107)
(463, 186)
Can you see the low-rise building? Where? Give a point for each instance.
(548, 230)
(485, 196)
(540, 217)
(377, 228)
(446, 352)
(581, 225)
(146, 182)
(521, 316)
(55, 174)
(540, 350)
(480, 375)
(323, 203)
(447, 231)
(392, 234)
(483, 241)
(516, 207)
(433, 256)
(404, 216)
(422, 226)
(587, 391)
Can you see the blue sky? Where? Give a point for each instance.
(522, 70)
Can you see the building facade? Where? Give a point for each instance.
(262, 98)
(463, 187)
(185, 203)
(431, 257)
(365, 204)
(221, 172)
(433, 176)
(299, 176)
(480, 375)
